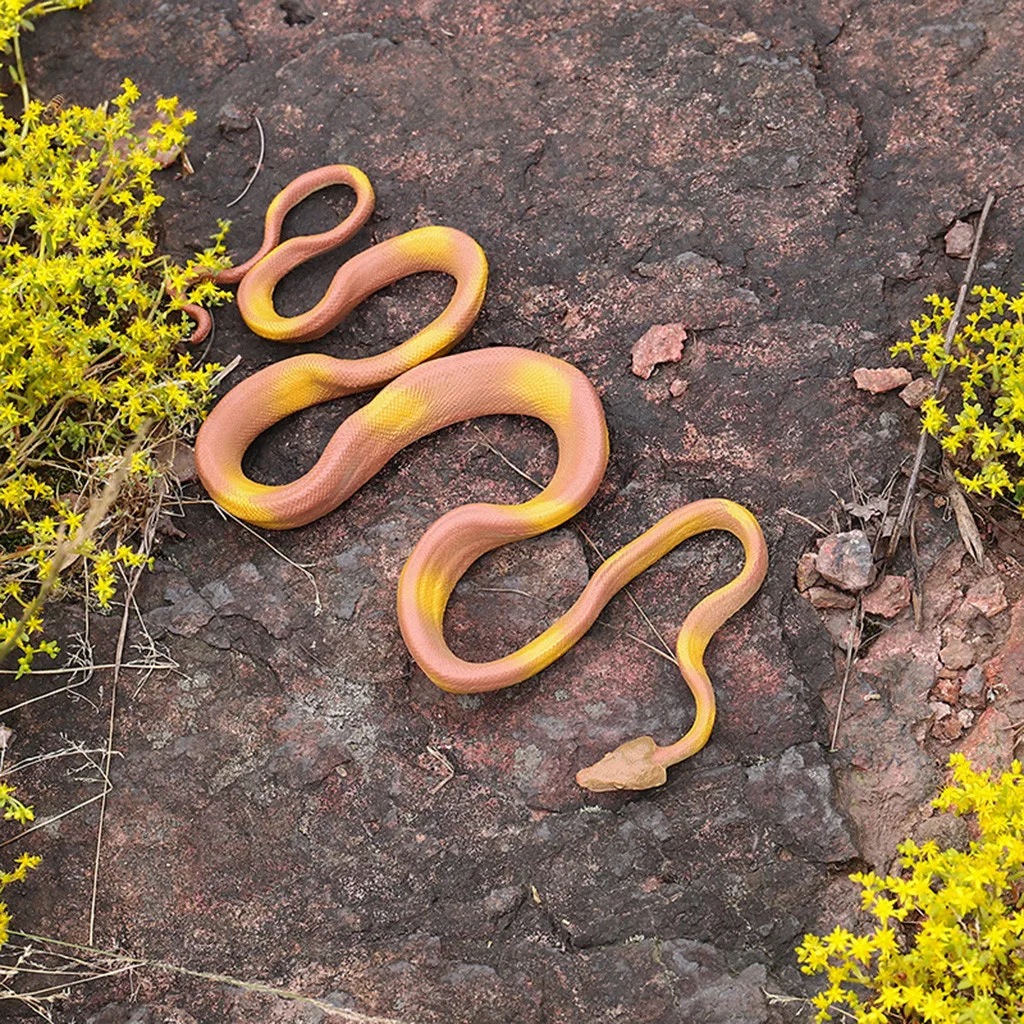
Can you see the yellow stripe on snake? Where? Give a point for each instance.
(426, 393)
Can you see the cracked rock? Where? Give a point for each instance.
(795, 791)
(709, 993)
(888, 598)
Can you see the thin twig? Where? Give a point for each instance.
(852, 643)
(536, 483)
(804, 519)
(951, 330)
(352, 1016)
(259, 163)
(303, 567)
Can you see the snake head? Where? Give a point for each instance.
(629, 766)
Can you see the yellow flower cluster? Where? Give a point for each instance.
(983, 430)
(13, 810)
(91, 333)
(947, 945)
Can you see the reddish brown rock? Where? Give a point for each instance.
(988, 595)
(917, 391)
(1005, 672)
(946, 690)
(827, 597)
(888, 597)
(959, 239)
(880, 381)
(845, 560)
(678, 387)
(663, 343)
(973, 691)
(958, 654)
(990, 743)
(946, 726)
(806, 574)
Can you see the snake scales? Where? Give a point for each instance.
(427, 391)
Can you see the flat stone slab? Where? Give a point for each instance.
(296, 804)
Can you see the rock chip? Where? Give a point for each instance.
(957, 654)
(845, 560)
(946, 690)
(880, 381)
(988, 596)
(663, 343)
(959, 239)
(826, 597)
(888, 598)
(946, 726)
(973, 689)
(678, 387)
(917, 391)
(990, 743)
(806, 574)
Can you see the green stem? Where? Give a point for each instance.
(23, 83)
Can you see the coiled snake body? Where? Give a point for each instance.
(426, 393)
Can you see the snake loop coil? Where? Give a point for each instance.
(426, 393)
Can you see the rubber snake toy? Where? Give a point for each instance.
(426, 393)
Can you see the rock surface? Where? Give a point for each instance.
(776, 177)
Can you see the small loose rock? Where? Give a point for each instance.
(988, 596)
(663, 343)
(949, 728)
(845, 559)
(234, 118)
(888, 598)
(957, 654)
(972, 688)
(946, 690)
(678, 387)
(917, 391)
(959, 239)
(826, 597)
(806, 574)
(880, 381)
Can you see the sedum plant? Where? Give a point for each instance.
(13, 810)
(980, 425)
(91, 331)
(947, 942)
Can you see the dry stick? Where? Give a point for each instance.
(853, 642)
(597, 622)
(536, 483)
(952, 328)
(259, 164)
(352, 1016)
(303, 567)
(65, 547)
